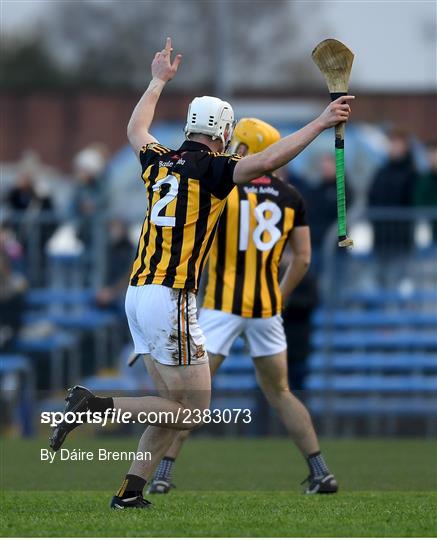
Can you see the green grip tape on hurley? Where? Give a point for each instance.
(341, 193)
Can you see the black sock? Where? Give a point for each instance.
(317, 465)
(132, 486)
(100, 404)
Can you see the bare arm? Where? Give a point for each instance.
(280, 153)
(300, 243)
(162, 72)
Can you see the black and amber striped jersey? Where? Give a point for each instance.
(186, 192)
(252, 233)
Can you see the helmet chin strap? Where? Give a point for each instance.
(228, 142)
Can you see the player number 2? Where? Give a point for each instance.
(164, 221)
(264, 224)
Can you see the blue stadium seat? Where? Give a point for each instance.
(11, 364)
(54, 345)
(374, 318)
(234, 402)
(371, 383)
(47, 344)
(236, 363)
(87, 319)
(102, 383)
(42, 297)
(373, 362)
(238, 346)
(370, 406)
(234, 382)
(373, 339)
(381, 297)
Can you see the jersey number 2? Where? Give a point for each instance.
(164, 221)
(264, 224)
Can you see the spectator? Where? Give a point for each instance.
(11, 301)
(11, 247)
(296, 180)
(119, 257)
(88, 198)
(25, 196)
(393, 187)
(393, 183)
(425, 189)
(32, 209)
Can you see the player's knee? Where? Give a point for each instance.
(275, 393)
(194, 417)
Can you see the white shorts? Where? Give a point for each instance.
(264, 337)
(163, 323)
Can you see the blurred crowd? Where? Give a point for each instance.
(35, 220)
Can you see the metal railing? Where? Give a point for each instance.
(394, 267)
(61, 267)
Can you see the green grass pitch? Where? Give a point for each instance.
(226, 487)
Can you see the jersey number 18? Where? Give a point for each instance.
(263, 224)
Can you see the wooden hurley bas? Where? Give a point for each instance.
(335, 60)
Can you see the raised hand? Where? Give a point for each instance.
(162, 67)
(336, 112)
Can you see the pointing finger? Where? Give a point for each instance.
(168, 44)
(344, 99)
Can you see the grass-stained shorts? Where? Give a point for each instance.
(163, 323)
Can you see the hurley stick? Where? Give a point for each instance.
(335, 62)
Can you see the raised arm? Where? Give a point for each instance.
(280, 153)
(163, 70)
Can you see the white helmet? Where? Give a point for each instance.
(210, 116)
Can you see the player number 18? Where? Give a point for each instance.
(264, 224)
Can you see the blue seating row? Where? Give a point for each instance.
(374, 318)
(374, 339)
(43, 297)
(365, 406)
(373, 362)
(382, 297)
(371, 383)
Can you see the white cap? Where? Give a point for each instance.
(210, 116)
(90, 161)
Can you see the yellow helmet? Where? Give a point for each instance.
(255, 134)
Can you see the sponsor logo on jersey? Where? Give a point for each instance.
(180, 161)
(261, 189)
